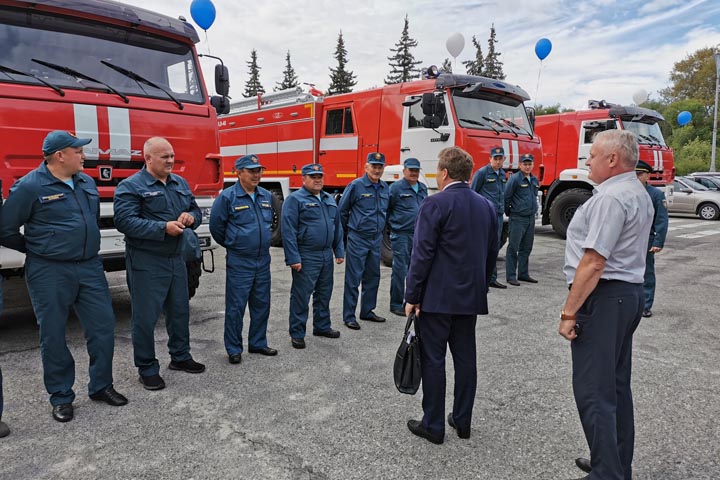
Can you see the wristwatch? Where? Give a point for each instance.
(565, 316)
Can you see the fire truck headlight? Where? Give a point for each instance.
(206, 214)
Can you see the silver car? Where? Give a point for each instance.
(694, 198)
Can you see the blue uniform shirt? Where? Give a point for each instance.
(521, 195)
(143, 206)
(491, 185)
(240, 224)
(404, 205)
(363, 207)
(310, 223)
(61, 223)
(660, 218)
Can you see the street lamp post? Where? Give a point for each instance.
(717, 87)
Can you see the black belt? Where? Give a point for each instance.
(601, 281)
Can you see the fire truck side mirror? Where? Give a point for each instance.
(429, 103)
(431, 121)
(222, 80)
(221, 104)
(531, 116)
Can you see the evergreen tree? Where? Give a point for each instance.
(475, 67)
(446, 66)
(403, 66)
(493, 65)
(341, 80)
(253, 85)
(290, 79)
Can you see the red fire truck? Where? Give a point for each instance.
(117, 74)
(566, 140)
(291, 128)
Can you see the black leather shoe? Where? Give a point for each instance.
(352, 325)
(583, 464)
(4, 429)
(373, 318)
(527, 279)
(416, 427)
(298, 342)
(235, 358)
(399, 313)
(189, 366)
(327, 334)
(63, 413)
(109, 396)
(152, 382)
(497, 284)
(514, 283)
(647, 313)
(460, 433)
(267, 351)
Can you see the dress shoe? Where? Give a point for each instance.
(189, 366)
(109, 396)
(235, 358)
(267, 351)
(647, 313)
(583, 464)
(416, 427)
(63, 413)
(298, 343)
(327, 333)
(460, 433)
(373, 318)
(152, 382)
(4, 429)
(514, 283)
(353, 325)
(398, 312)
(497, 284)
(527, 279)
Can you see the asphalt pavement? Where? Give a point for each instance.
(331, 411)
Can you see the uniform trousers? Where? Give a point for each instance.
(362, 263)
(493, 277)
(316, 279)
(401, 249)
(55, 288)
(601, 356)
(649, 283)
(158, 284)
(521, 234)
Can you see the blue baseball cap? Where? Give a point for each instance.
(527, 158)
(376, 158)
(312, 169)
(497, 152)
(248, 161)
(411, 163)
(60, 139)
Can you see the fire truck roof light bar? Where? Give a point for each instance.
(474, 84)
(272, 100)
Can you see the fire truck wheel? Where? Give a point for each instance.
(194, 270)
(564, 206)
(275, 230)
(386, 249)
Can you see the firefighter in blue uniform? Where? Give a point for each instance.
(153, 207)
(406, 195)
(363, 208)
(240, 221)
(489, 182)
(59, 207)
(521, 206)
(657, 234)
(311, 231)
(4, 429)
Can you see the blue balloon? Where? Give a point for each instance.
(684, 117)
(543, 48)
(203, 12)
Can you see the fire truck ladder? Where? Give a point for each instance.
(272, 100)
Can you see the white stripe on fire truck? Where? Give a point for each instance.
(119, 123)
(86, 125)
(304, 145)
(516, 152)
(233, 151)
(342, 143)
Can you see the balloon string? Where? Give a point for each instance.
(207, 42)
(537, 86)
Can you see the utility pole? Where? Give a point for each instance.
(717, 87)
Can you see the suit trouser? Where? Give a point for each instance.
(362, 263)
(55, 288)
(401, 249)
(316, 279)
(1, 394)
(436, 331)
(601, 357)
(247, 283)
(649, 283)
(158, 284)
(493, 277)
(521, 234)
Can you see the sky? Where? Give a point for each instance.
(604, 49)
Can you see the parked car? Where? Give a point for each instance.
(694, 198)
(710, 180)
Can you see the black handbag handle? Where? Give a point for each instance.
(408, 324)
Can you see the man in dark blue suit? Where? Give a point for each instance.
(447, 284)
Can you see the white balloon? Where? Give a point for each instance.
(455, 44)
(640, 96)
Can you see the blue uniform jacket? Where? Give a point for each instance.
(241, 225)
(143, 206)
(310, 224)
(660, 219)
(60, 223)
(521, 195)
(404, 205)
(453, 258)
(363, 207)
(491, 185)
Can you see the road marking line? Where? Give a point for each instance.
(687, 225)
(700, 234)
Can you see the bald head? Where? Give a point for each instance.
(159, 157)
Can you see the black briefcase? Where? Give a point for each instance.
(406, 369)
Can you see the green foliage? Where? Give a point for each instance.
(699, 127)
(403, 66)
(693, 77)
(290, 79)
(253, 85)
(694, 156)
(475, 67)
(493, 65)
(446, 66)
(547, 110)
(341, 79)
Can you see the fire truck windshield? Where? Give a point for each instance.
(648, 133)
(479, 110)
(167, 65)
